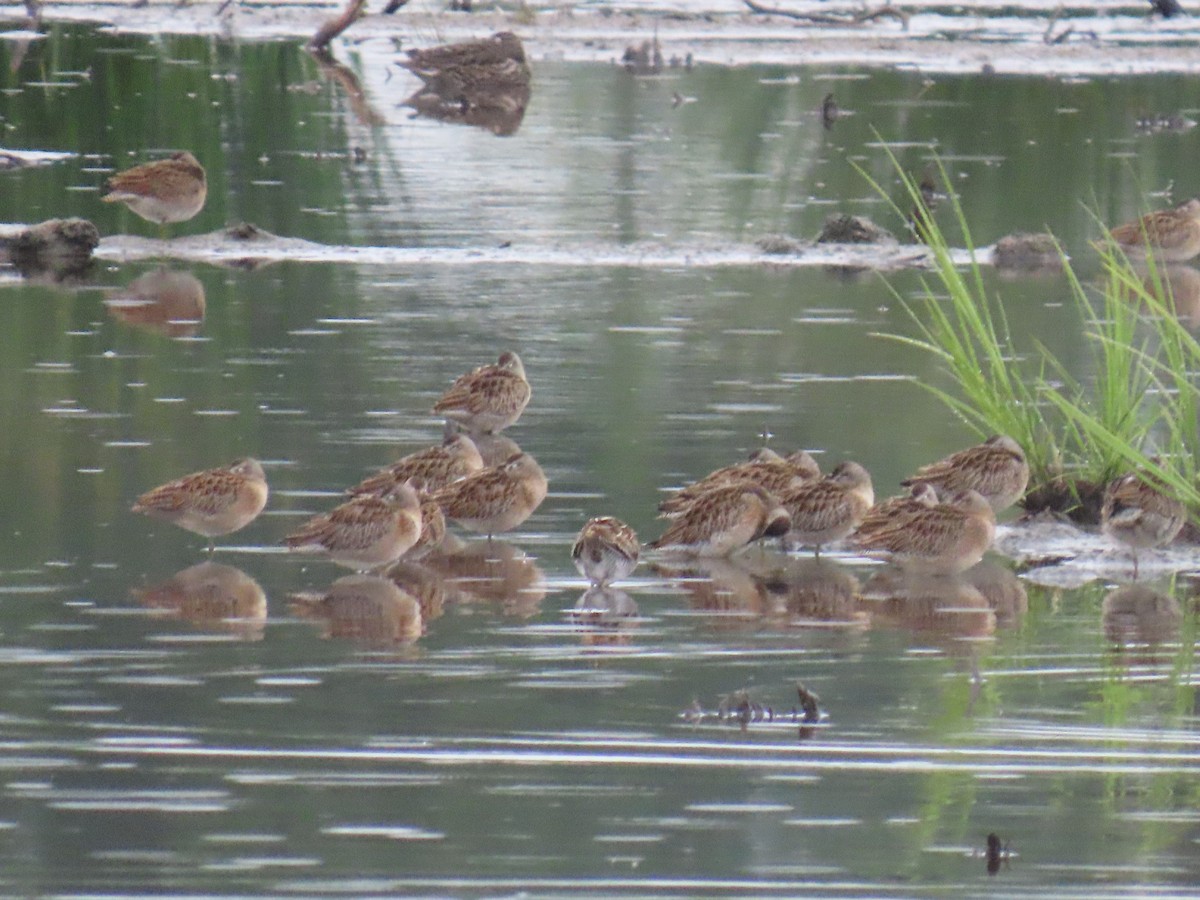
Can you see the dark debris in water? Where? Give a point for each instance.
(741, 708)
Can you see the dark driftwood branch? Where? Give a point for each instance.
(348, 82)
(334, 27)
(867, 15)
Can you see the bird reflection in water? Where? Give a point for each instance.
(1177, 287)
(1137, 617)
(818, 593)
(366, 609)
(604, 616)
(422, 583)
(212, 597)
(492, 571)
(164, 301)
(1003, 591)
(947, 606)
(725, 588)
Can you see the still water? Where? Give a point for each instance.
(513, 734)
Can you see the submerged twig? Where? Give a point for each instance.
(886, 11)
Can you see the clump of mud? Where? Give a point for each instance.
(58, 249)
(1077, 499)
(847, 229)
(1027, 252)
(779, 245)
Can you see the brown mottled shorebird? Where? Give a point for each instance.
(435, 467)
(496, 499)
(366, 532)
(723, 520)
(1139, 514)
(897, 509)
(489, 398)
(1171, 235)
(433, 529)
(766, 468)
(500, 48)
(606, 550)
(210, 503)
(827, 510)
(944, 538)
(164, 191)
(996, 469)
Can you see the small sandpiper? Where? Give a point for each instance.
(489, 398)
(210, 503)
(723, 520)
(943, 538)
(766, 468)
(606, 550)
(1171, 235)
(434, 467)
(1138, 513)
(996, 469)
(496, 499)
(366, 532)
(827, 510)
(164, 191)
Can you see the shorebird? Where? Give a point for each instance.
(723, 520)
(366, 532)
(210, 503)
(435, 467)
(765, 468)
(896, 509)
(495, 499)
(164, 191)
(500, 48)
(606, 550)
(433, 528)
(827, 510)
(1171, 235)
(944, 538)
(489, 398)
(1139, 514)
(996, 469)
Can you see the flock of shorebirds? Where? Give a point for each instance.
(944, 525)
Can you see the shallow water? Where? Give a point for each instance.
(533, 738)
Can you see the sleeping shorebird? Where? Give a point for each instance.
(943, 538)
(723, 520)
(496, 499)
(366, 532)
(996, 469)
(827, 510)
(606, 550)
(489, 398)
(434, 467)
(497, 50)
(210, 503)
(1139, 514)
(766, 468)
(164, 191)
(1171, 235)
(894, 509)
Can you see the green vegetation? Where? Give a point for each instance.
(1138, 410)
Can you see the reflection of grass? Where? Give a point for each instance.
(1140, 393)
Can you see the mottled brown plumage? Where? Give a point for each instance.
(434, 467)
(944, 538)
(500, 48)
(163, 191)
(827, 510)
(1138, 513)
(897, 509)
(723, 520)
(765, 468)
(1173, 235)
(496, 499)
(210, 503)
(996, 469)
(605, 551)
(366, 532)
(489, 398)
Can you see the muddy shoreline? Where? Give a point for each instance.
(1029, 38)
